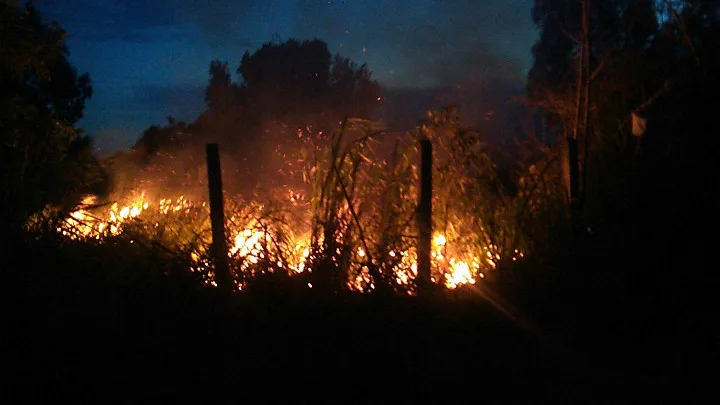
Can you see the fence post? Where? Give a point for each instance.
(219, 249)
(424, 218)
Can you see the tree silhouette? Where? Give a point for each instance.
(300, 78)
(283, 77)
(282, 88)
(653, 61)
(352, 89)
(618, 28)
(44, 158)
(220, 93)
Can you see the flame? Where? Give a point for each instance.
(254, 244)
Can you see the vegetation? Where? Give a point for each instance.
(323, 240)
(285, 91)
(44, 159)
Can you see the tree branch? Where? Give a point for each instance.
(683, 29)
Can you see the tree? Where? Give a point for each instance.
(648, 198)
(283, 89)
(654, 60)
(220, 93)
(589, 45)
(294, 78)
(298, 68)
(616, 26)
(44, 158)
(352, 89)
(618, 34)
(285, 78)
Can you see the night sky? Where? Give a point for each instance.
(149, 58)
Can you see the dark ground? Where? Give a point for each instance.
(84, 332)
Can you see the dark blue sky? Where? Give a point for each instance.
(149, 58)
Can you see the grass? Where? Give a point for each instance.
(602, 320)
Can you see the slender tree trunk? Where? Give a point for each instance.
(572, 139)
(587, 131)
(582, 118)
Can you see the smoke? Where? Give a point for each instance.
(432, 43)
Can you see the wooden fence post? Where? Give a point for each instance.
(424, 219)
(219, 249)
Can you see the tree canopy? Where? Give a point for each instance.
(44, 158)
(650, 62)
(638, 48)
(293, 78)
(281, 89)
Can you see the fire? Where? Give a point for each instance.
(458, 272)
(253, 243)
(87, 223)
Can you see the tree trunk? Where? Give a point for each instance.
(587, 55)
(582, 118)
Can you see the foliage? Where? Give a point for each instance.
(646, 198)
(503, 219)
(219, 94)
(648, 60)
(361, 210)
(352, 90)
(279, 78)
(363, 206)
(44, 159)
(350, 224)
(285, 91)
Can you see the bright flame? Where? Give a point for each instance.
(254, 244)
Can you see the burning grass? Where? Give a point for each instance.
(258, 244)
(351, 223)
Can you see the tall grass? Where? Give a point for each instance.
(352, 224)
